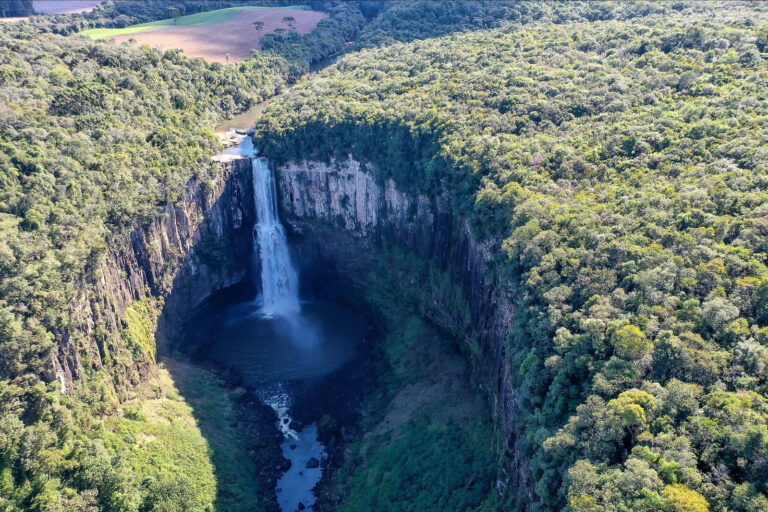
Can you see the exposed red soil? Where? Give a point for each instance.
(235, 36)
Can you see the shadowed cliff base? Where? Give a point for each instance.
(244, 445)
(204, 441)
(405, 399)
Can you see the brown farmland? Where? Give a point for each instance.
(235, 36)
(64, 6)
(58, 7)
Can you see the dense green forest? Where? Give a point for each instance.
(13, 8)
(95, 140)
(407, 21)
(620, 167)
(614, 153)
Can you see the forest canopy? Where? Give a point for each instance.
(612, 153)
(96, 140)
(620, 168)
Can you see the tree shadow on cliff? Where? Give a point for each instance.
(218, 410)
(205, 244)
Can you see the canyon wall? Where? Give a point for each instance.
(156, 276)
(339, 214)
(342, 215)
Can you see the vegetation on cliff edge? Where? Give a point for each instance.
(614, 152)
(96, 140)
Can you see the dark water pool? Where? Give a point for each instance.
(268, 354)
(263, 350)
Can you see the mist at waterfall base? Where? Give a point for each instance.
(275, 339)
(265, 350)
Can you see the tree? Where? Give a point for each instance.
(16, 8)
(171, 495)
(630, 342)
(761, 294)
(679, 498)
(259, 26)
(174, 13)
(688, 357)
(289, 20)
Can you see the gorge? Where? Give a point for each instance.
(488, 256)
(276, 340)
(285, 350)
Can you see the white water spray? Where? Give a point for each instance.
(279, 282)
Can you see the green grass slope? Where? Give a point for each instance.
(178, 435)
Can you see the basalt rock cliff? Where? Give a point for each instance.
(194, 248)
(341, 215)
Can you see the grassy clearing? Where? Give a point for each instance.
(200, 18)
(191, 455)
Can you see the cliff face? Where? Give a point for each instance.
(170, 266)
(340, 215)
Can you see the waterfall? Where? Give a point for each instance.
(280, 292)
(279, 282)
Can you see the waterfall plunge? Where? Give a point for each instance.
(280, 292)
(279, 282)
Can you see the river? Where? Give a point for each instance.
(277, 339)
